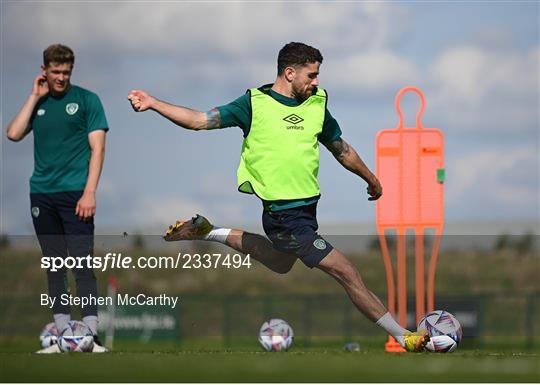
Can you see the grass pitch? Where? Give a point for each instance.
(301, 364)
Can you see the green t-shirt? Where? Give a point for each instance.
(238, 114)
(61, 150)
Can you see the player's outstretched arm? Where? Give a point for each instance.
(19, 127)
(181, 116)
(349, 158)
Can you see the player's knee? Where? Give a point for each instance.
(285, 262)
(346, 274)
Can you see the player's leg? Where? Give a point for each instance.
(262, 250)
(339, 267)
(257, 246)
(295, 231)
(50, 233)
(80, 243)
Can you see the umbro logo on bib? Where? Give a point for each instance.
(293, 119)
(72, 108)
(40, 112)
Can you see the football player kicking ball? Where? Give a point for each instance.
(283, 123)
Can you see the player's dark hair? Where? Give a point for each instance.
(58, 53)
(296, 55)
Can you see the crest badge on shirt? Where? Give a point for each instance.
(319, 244)
(40, 112)
(72, 108)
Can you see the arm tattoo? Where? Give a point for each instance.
(339, 148)
(213, 119)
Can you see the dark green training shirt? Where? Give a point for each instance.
(238, 114)
(61, 149)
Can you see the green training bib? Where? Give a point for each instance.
(280, 156)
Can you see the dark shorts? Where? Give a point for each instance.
(61, 234)
(58, 229)
(294, 231)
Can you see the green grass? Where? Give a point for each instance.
(167, 363)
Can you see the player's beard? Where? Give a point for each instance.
(302, 95)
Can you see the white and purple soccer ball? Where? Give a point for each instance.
(48, 335)
(76, 337)
(276, 335)
(444, 331)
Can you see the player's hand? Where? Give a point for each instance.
(140, 100)
(40, 87)
(86, 206)
(374, 189)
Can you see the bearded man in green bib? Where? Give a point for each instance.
(283, 124)
(69, 125)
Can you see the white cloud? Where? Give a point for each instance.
(237, 28)
(472, 73)
(486, 90)
(372, 71)
(193, 43)
(504, 178)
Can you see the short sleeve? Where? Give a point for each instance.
(34, 112)
(95, 114)
(237, 113)
(331, 130)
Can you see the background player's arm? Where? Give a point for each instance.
(19, 127)
(349, 158)
(86, 206)
(181, 116)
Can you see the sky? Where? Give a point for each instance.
(477, 63)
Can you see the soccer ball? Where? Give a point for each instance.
(444, 331)
(48, 335)
(276, 335)
(76, 337)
